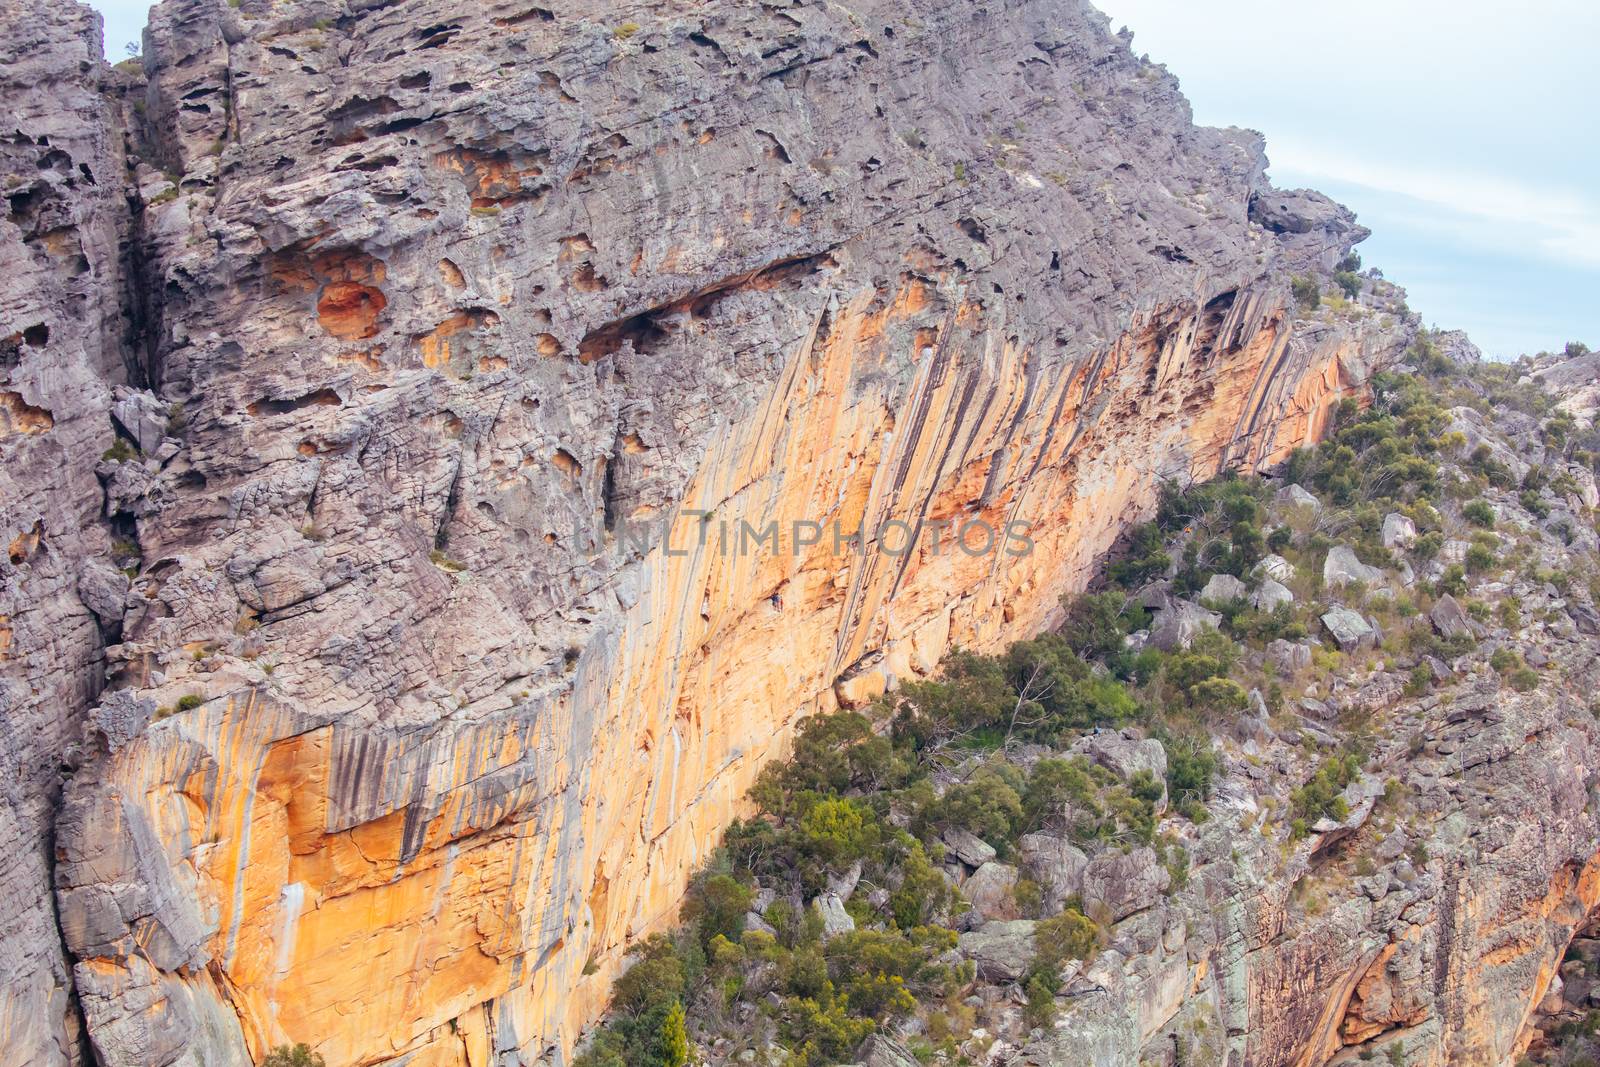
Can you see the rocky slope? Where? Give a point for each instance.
(1389, 852)
(349, 346)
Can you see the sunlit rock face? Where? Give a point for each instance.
(473, 335)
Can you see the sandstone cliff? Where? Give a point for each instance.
(394, 320)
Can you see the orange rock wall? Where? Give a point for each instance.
(474, 887)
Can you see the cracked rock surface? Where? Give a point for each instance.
(380, 380)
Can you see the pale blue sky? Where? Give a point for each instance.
(1463, 132)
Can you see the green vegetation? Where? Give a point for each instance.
(1307, 293)
(1349, 282)
(293, 1056)
(1321, 797)
(121, 451)
(994, 747)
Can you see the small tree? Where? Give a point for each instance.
(1307, 293)
(299, 1055)
(673, 1046)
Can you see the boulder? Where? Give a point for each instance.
(842, 885)
(1275, 567)
(1398, 531)
(1450, 619)
(1270, 595)
(1125, 755)
(835, 920)
(1343, 567)
(1122, 883)
(142, 416)
(989, 890)
(881, 1051)
(1294, 496)
(1155, 596)
(1001, 951)
(1223, 588)
(967, 846)
(1289, 657)
(1349, 629)
(1178, 624)
(1056, 864)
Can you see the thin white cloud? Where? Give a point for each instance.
(1554, 224)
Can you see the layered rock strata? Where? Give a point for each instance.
(462, 341)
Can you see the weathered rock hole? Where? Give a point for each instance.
(567, 463)
(19, 416)
(349, 310)
(278, 406)
(533, 14)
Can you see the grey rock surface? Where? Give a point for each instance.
(1342, 567)
(1179, 623)
(1056, 864)
(967, 846)
(352, 336)
(1002, 951)
(1270, 595)
(1349, 628)
(1222, 588)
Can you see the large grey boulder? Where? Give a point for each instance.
(1125, 755)
(1123, 883)
(1450, 619)
(1001, 951)
(1223, 588)
(1275, 567)
(990, 891)
(882, 1051)
(1289, 657)
(1056, 864)
(1349, 629)
(835, 920)
(1344, 567)
(1295, 496)
(1398, 531)
(1271, 595)
(967, 846)
(1178, 624)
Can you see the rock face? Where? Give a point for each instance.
(62, 323)
(448, 347)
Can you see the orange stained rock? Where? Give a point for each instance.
(379, 895)
(350, 310)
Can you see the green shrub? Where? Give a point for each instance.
(1306, 293)
(1059, 939)
(299, 1055)
(716, 906)
(1321, 797)
(1479, 513)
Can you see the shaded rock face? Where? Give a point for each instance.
(62, 240)
(427, 324)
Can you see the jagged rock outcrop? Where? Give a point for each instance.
(459, 341)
